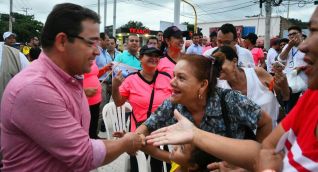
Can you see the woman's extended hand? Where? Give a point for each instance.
(179, 133)
(117, 80)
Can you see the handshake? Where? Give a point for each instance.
(134, 141)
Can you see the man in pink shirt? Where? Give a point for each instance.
(44, 111)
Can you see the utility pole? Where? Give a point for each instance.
(10, 16)
(114, 18)
(26, 10)
(288, 9)
(98, 7)
(105, 14)
(176, 12)
(195, 16)
(268, 13)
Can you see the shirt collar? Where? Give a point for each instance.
(57, 70)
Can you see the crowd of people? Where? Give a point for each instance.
(223, 102)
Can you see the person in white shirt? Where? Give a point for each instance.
(293, 59)
(227, 35)
(272, 54)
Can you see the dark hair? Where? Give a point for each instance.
(284, 40)
(220, 54)
(111, 37)
(34, 53)
(67, 18)
(195, 34)
(32, 37)
(213, 34)
(201, 159)
(152, 37)
(203, 69)
(295, 28)
(229, 28)
(103, 36)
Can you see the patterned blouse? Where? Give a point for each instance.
(242, 113)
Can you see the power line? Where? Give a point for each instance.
(230, 6)
(229, 10)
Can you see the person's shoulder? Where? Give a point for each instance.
(262, 74)
(242, 49)
(209, 52)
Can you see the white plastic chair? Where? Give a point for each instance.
(114, 120)
(115, 116)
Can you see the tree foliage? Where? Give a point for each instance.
(134, 24)
(296, 22)
(25, 26)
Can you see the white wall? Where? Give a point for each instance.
(259, 24)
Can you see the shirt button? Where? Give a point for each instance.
(73, 81)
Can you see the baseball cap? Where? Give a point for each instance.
(151, 51)
(7, 34)
(172, 31)
(252, 37)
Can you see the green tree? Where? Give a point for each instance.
(297, 22)
(134, 24)
(24, 26)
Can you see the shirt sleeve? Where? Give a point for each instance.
(47, 121)
(162, 117)
(99, 62)
(243, 109)
(189, 50)
(124, 88)
(24, 61)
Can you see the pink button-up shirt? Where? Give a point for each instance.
(45, 121)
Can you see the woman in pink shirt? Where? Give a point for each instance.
(145, 90)
(173, 43)
(93, 92)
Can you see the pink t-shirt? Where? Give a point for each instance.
(166, 64)
(45, 121)
(258, 55)
(91, 81)
(138, 92)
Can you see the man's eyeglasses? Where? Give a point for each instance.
(292, 34)
(90, 42)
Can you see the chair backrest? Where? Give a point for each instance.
(115, 117)
(142, 162)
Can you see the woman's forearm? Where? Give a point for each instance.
(242, 153)
(118, 99)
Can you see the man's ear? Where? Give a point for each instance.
(60, 41)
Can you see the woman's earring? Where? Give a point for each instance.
(200, 96)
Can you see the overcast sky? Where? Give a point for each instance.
(151, 12)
